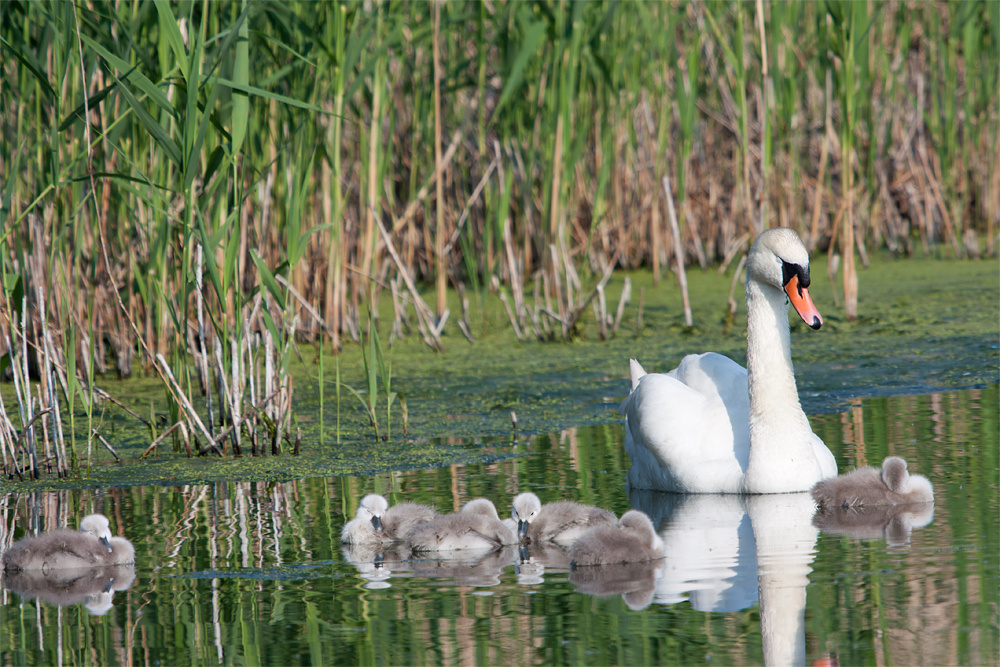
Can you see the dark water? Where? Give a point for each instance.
(254, 573)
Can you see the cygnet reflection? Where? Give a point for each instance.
(635, 582)
(377, 563)
(894, 523)
(92, 586)
(466, 568)
(536, 559)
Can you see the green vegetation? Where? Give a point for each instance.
(200, 186)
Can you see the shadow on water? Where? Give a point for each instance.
(254, 571)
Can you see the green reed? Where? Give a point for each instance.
(274, 134)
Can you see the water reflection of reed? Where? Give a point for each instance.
(913, 595)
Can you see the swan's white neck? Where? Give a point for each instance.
(780, 435)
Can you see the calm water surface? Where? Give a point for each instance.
(254, 573)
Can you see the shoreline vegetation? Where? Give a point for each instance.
(194, 189)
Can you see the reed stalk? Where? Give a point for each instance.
(275, 137)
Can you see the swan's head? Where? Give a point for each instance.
(526, 508)
(98, 526)
(481, 506)
(779, 259)
(372, 507)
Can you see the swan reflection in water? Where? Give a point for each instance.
(93, 586)
(725, 552)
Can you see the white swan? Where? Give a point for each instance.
(712, 426)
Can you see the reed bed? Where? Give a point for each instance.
(197, 186)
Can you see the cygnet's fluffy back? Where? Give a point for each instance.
(477, 526)
(866, 487)
(561, 522)
(377, 523)
(632, 540)
(91, 546)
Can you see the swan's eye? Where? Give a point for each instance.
(789, 270)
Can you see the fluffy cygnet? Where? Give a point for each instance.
(560, 522)
(91, 546)
(632, 540)
(377, 523)
(477, 526)
(892, 485)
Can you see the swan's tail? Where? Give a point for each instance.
(636, 371)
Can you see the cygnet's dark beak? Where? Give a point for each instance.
(522, 529)
(105, 542)
(377, 523)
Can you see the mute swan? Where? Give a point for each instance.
(377, 523)
(712, 426)
(91, 546)
(477, 526)
(866, 487)
(559, 522)
(632, 540)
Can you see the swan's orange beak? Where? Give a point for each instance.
(804, 306)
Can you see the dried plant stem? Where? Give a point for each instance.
(678, 251)
(425, 317)
(182, 399)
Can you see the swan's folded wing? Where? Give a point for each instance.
(679, 439)
(827, 462)
(715, 375)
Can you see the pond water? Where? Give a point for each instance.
(254, 573)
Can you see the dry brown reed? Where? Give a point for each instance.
(551, 177)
